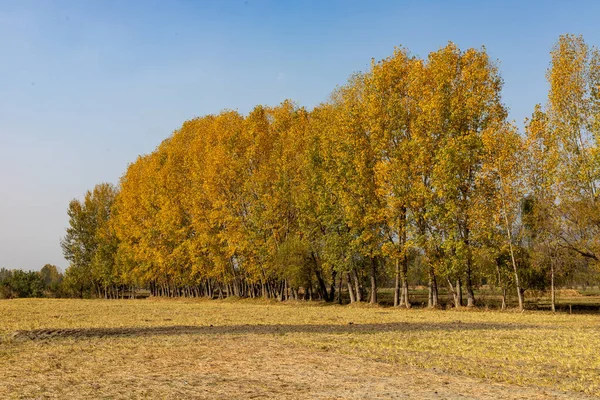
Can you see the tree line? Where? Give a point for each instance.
(48, 282)
(410, 173)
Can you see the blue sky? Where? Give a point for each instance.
(86, 86)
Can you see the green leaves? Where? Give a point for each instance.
(90, 244)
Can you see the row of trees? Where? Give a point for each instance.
(48, 282)
(411, 169)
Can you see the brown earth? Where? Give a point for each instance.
(218, 362)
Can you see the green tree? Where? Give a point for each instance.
(89, 244)
(52, 278)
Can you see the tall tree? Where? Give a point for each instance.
(473, 106)
(573, 116)
(504, 188)
(390, 108)
(356, 159)
(541, 219)
(88, 245)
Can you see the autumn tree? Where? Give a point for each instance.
(472, 86)
(321, 217)
(503, 188)
(356, 160)
(89, 244)
(390, 108)
(409, 171)
(574, 122)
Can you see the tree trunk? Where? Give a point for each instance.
(514, 265)
(401, 284)
(339, 292)
(510, 246)
(332, 286)
(322, 286)
(397, 301)
(470, 293)
(320, 280)
(519, 292)
(435, 291)
(553, 292)
(405, 300)
(501, 286)
(350, 288)
(373, 281)
(433, 296)
(357, 286)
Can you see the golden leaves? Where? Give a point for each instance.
(414, 153)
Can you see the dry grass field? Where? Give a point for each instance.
(253, 349)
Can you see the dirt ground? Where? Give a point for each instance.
(236, 366)
(111, 357)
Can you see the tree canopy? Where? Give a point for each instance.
(410, 171)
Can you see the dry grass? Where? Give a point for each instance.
(246, 349)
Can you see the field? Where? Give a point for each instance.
(156, 348)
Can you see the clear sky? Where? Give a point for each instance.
(86, 86)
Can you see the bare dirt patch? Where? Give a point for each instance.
(243, 349)
(227, 367)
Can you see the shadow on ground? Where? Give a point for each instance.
(44, 334)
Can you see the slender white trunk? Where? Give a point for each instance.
(510, 246)
(553, 292)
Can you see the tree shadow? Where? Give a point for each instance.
(278, 329)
